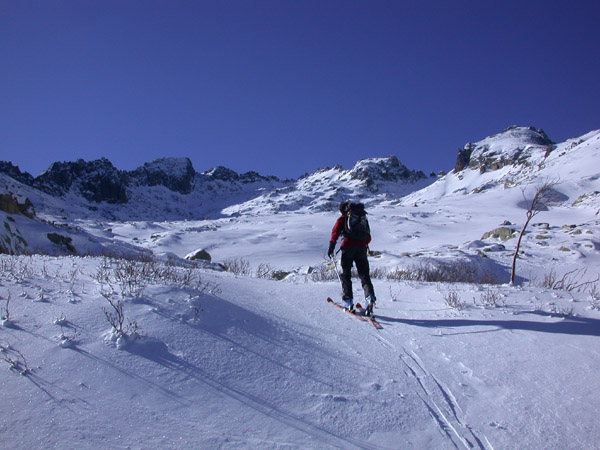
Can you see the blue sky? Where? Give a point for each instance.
(285, 87)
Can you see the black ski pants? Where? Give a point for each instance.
(355, 255)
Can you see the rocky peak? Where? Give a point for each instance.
(97, 181)
(254, 177)
(224, 174)
(15, 173)
(515, 145)
(389, 169)
(176, 174)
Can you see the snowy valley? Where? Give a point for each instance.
(112, 337)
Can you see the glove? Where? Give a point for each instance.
(331, 251)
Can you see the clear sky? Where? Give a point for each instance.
(285, 87)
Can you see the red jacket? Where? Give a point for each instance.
(338, 229)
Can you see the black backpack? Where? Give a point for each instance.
(356, 225)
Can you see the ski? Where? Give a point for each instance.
(360, 310)
(359, 314)
(362, 318)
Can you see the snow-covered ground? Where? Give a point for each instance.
(222, 360)
(230, 361)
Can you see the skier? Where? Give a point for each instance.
(354, 251)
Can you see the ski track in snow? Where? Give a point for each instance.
(438, 399)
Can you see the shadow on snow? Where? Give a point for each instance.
(581, 326)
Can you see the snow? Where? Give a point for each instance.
(265, 364)
(213, 359)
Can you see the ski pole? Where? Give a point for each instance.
(336, 270)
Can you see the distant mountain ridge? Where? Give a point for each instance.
(104, 187)
(370, 180)
(80, 200)
(171, 189)
(100, 181)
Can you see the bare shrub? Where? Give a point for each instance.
(264, 270)
(437, 272)
(400, 274)
(323, 273)
(544, 196)
(237, 266)
(67, 339)
(115, 315)
(594, 297)
(15, 359)
(17, 268)
(393, 295)
(132, 277)
(379, 273)
(453, 300)
(562, 311)
(5, 311)
(188, 277)
(103, 272)
(572, 281)
(492, 298)
(488, 277)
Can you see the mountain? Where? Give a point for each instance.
(170, 188)
(176, 174)
(522, 158)
(167, 188)
(371, 181)
(515, 145)
(96, 181)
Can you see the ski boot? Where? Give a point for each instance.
(369, 304)
(349, 305)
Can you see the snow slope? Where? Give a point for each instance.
(253, 363)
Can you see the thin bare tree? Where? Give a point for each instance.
(544, 197)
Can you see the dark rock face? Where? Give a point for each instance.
(97, 181)
(176, 174)
(63, 241)
(15, 173)
(221, 173)
(255, 177)
(9, 204)
(463, 158)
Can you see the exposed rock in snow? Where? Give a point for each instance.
(515, 145)
(199, 254)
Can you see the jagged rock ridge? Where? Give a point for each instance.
(100, 181)
(97, 181)
(370, 180)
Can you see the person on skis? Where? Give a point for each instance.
(353, 225)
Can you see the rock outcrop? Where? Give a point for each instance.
(515, 145)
